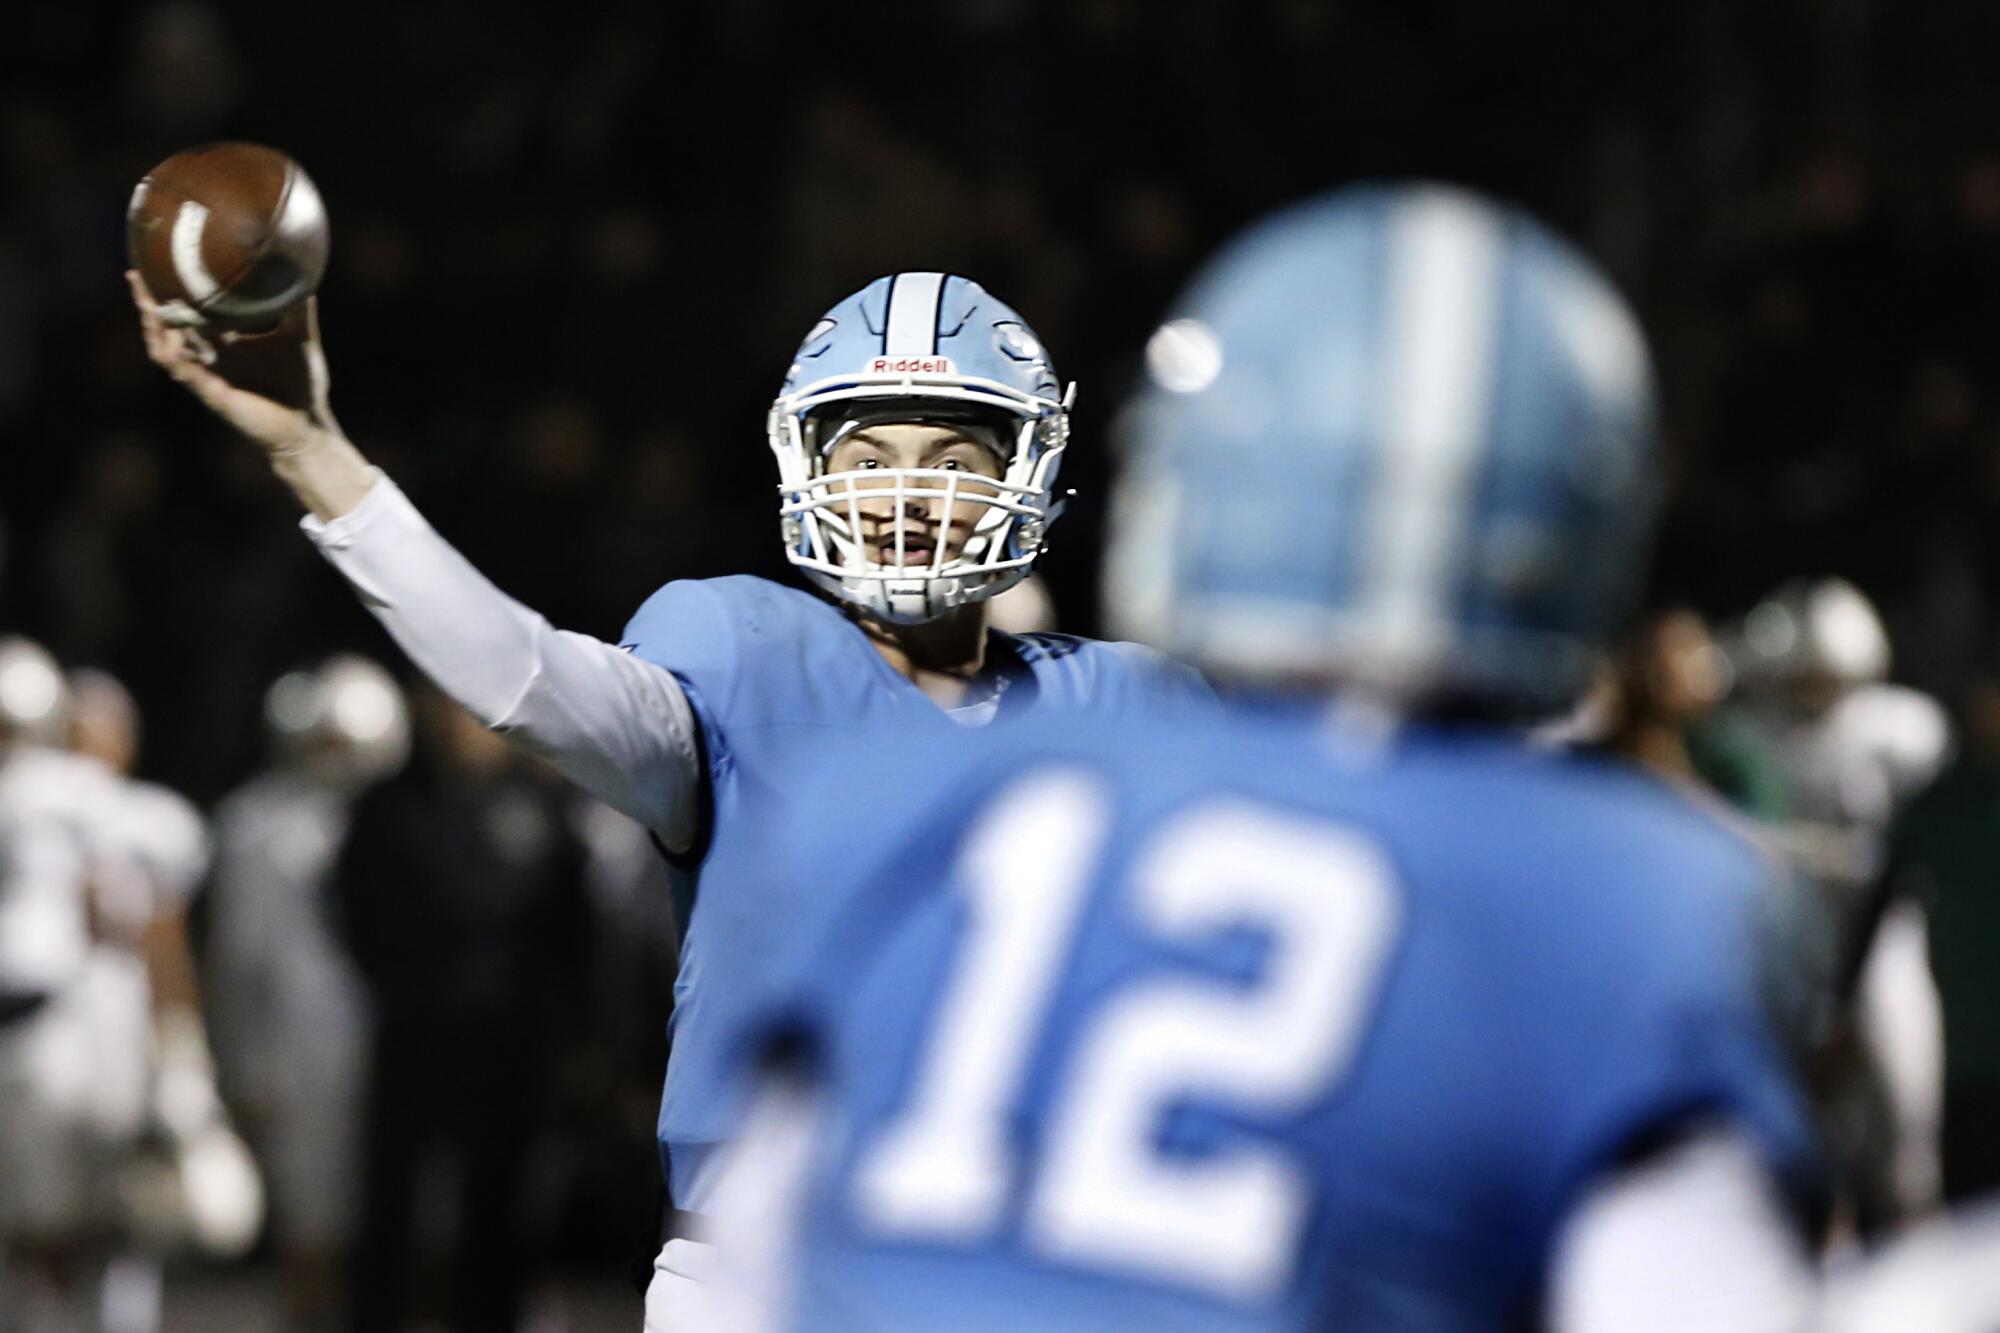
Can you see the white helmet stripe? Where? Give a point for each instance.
(912, 325)
(1442, 289)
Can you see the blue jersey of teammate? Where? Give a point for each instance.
(1232, 1024)
(770, 671)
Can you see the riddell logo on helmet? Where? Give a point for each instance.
(911, 365)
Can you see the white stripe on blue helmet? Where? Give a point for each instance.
(919, 347)
(1400, 438)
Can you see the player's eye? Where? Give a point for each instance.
(866, 464)
(952, 465)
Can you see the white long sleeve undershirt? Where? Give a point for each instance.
(616, 725)
(1693, 1238)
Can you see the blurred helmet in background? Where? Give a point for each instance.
(1817, 634)
(1398, 440)
(931, 348)
(34, 697)
(346, 720)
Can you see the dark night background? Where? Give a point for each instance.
(573, 250)
(574, 247)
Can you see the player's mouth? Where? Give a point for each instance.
(916, 551)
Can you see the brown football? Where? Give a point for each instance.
(232, 234)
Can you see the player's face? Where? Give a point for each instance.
(1683, 669)
(918, 519)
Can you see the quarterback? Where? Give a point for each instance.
(918, 437)
(1343, 1007)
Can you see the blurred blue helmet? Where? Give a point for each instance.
(1398, 439)
(928, 348)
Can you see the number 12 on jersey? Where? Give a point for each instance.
(1100, 1196)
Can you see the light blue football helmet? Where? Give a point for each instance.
(919, 347)
(1398, 440)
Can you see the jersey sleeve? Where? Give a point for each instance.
(614, 724)
(690, 629)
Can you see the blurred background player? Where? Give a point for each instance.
(918, 437)
(117, 1152)
(192, 1187)
(288, 1015)
(1853, 749)
(1943, 861)
(1813, 666)
(45, 1040)
(1660, 703)
(459, 895)
(1348, 1009)
(1794, 725)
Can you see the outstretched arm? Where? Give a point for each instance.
(619, 726)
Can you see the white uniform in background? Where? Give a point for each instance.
(88, 859)
(287, 1010)
(1849, 769)
(1851, 763)
(287, 1013)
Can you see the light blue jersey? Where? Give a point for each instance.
(1225, 1023)
(770, 671)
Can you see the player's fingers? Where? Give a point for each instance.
(150, 323)
(166, 345)
(163, 344)
(174, 350)
(182, 353)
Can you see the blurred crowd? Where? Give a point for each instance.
(387, 1021)
(572, 252)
